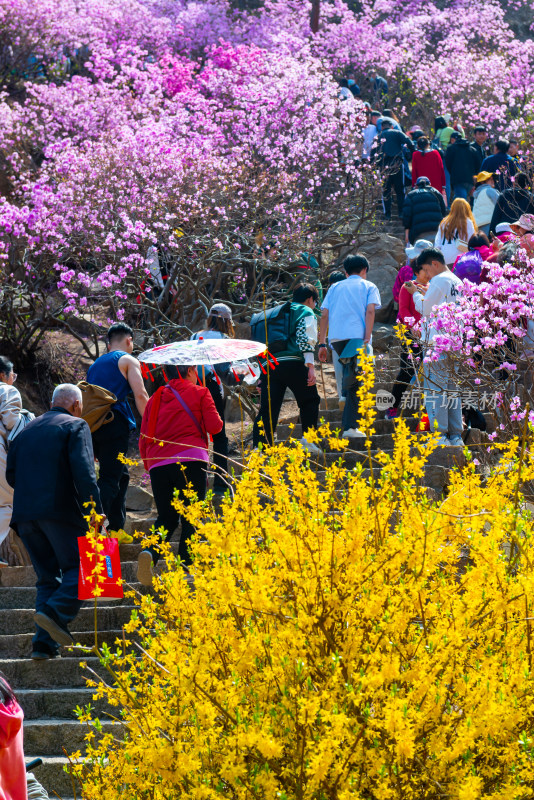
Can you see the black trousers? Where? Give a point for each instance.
(394, 180)
(287, 375)
(165, 480)
(220, 440)
(53, 549)
(113, 479)
(406, 373)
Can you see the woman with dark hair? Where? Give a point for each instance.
(219, 325)
(10, 411)
(427, 163)
(409, 317)
(12, 768)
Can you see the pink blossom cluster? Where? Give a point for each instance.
(490, 318)
(129, 122)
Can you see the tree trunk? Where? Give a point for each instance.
(314, 18)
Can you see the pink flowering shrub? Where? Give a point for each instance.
(207, 128)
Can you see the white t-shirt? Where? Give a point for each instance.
(443, 288)
(450, 249)
(347, 303)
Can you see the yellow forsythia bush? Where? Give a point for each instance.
(348, 637)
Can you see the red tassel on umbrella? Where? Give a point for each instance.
(262, 368)
(236, 376)
(273, 358)
(165, 376)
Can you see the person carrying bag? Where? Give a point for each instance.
(174, 448)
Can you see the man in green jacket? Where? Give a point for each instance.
(295, 369)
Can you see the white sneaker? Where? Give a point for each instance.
(443, 442)
(311, 447)
(145, 572)
(353, 433)
(456, 441)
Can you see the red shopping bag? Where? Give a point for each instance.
(108, 578)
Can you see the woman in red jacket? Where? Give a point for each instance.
(12, 769)
(174, 448)
(407, 316)
(428, 163)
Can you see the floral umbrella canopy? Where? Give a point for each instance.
(202, 351)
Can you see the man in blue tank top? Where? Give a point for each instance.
(118, 372)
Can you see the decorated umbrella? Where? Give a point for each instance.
(202, 352)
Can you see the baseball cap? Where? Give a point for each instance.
(221, 310)
(503, 227)
(417, 249)
(483, 176)
(525, 221)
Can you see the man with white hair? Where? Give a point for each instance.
(50, 466)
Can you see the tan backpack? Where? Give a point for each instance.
(97, 403)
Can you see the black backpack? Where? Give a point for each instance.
(278, 327)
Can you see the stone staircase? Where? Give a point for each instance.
(49, 691)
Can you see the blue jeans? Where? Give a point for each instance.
(350, 386)
(53, 549)
(447, 183)
(461, 190)
(443, 402)
(338, 369)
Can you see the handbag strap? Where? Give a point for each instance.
(186, 409)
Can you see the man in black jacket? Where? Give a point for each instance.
(390, 156)
(50, 465)
(500, 164)
(423, 210)
(479, 145)
(514, 202)
(461, 161)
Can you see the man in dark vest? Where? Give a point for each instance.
(295, 370)
(118, 372)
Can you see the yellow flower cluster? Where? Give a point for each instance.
(347, 637)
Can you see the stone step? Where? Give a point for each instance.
(55, 702)
(22, 673)
(20, 620)
(52, 775)
(24, 597)
(18, 577)
(448, 457)
(434, 477)
(131, 551)
(43, 737)
(20, 644)
(381, 426)
(137, 523)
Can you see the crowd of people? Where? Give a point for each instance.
(445, 161)
(459, 206)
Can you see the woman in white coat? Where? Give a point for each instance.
(10, 410)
